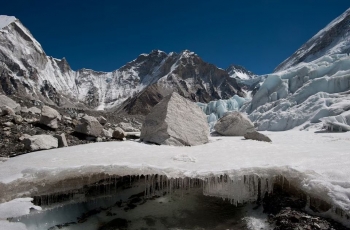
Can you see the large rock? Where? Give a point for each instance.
(89, 125)
(62, 141)
(119, 134)
(234, 124)
(40, 142)
(49, 117)
(107, 133)
(175, 121)
(6, 101)
(257, 136)
(6, 110)
(34, 110)
(127, 127)
(102, 120)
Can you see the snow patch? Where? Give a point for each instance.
(6, 20)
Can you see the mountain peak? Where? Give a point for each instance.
(332, 39)
(6, 20)
(239, 72)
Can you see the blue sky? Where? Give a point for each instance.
(104, 35)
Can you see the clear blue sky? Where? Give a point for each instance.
(104, 35)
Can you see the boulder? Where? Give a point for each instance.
(102, 120)
(257, 136)
(8, 124)
(6, 110)
(62, 141)
(24, 109)
(127, 127)
(89, 125)
(40, 142)
(17, 119)
(175, 121)
(49, 117)
(21, 138)
(107, 133)
(234, 124)
(6, 101)
(118, 133)
(34, 110)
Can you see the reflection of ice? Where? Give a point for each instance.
(183, 207)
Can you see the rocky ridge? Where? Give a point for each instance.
(26, 71)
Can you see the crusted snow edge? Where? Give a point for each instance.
(49, 181)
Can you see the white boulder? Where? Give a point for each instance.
(90, 126)
(49, 117)
(40, 142)
(6, 110)
(6, 101)
(175, 121)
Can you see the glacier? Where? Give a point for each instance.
(300, 96)
(228, 167)
(217, 109)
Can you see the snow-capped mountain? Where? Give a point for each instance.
(312, 86)
(239, 72)
(333, 39)
(27, 71)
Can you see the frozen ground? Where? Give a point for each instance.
(318, 163)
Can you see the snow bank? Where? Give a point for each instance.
(6, 20)
(303, 94)
(15, 208)
(317, 163)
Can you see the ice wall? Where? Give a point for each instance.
(302, 95)
(216, 109)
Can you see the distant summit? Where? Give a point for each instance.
(239, 72)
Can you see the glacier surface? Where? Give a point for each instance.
(317, 163)
(217, 109)
(302, 95)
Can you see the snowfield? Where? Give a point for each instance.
(316, 162)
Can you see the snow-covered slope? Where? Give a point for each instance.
(333, 39)
(6, 20)
(311, 86)
(27, 71)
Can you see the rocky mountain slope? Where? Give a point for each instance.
(27, 71)
(239, 72)
(333, 39)
(313, 85)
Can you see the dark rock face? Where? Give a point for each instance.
(48, 91)
(143, 102)
(190, 77)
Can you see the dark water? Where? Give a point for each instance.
(131, 209)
